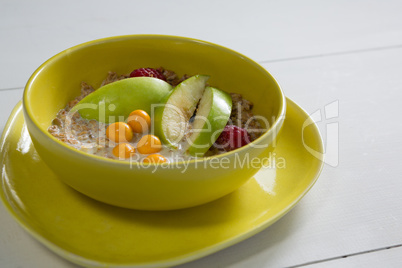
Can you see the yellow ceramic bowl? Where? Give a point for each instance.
(173, 186)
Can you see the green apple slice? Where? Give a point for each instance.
(120, 98)
(171, 120)
(211, 118)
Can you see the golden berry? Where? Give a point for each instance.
(123, 150)
(119, 132)
(139, 121)
(155, 159)
(149, 144)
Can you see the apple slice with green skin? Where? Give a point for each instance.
(120, 98)
(171, 120)
(211, 118)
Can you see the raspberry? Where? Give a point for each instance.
(148, 72)
(232, 137)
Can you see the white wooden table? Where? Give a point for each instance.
(321, 52)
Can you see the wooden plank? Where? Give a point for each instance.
(32, 32)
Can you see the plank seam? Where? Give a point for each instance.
(11, 88)
(374, 49)
(300, 58)
(345, 256)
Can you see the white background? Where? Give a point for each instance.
(320, 52)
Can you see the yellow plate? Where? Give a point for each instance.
(91, 233)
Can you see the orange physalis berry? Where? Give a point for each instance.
(139, 121)
(155, 159)
(119, 132)
(123, 150)
(149, 144)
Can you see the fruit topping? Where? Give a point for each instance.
(147, 72)
(149, 144)
(232, 137)
(119, 132)
(155, 159)
(123, 150)
(139, 121)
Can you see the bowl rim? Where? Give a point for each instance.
(28, 112)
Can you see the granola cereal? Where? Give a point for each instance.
(90, 135)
